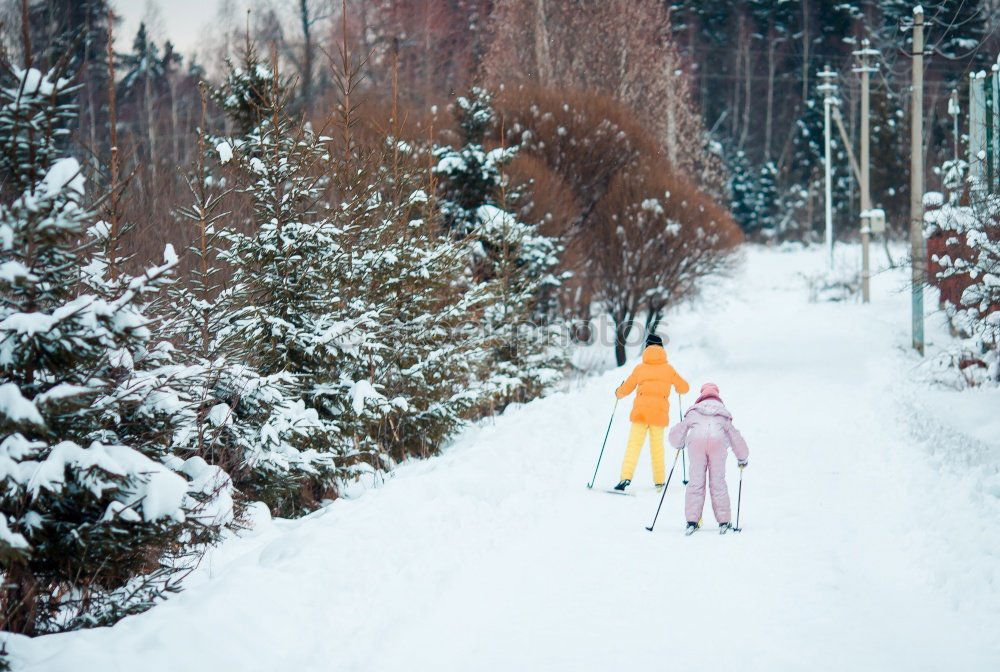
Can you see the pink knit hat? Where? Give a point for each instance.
(708, 391)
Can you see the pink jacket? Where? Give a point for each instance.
(709, 418)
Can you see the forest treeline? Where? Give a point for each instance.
(750, 68)
(747, 68)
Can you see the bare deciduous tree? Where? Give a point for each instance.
(619, 48)
(641, 235)
(656, 238)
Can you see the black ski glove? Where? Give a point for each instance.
(743, 463)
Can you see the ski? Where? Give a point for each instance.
(691, 530)
(636, 490)
(725, 528)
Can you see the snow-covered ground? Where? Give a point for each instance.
(870, 536)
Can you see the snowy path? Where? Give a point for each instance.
(856, 553)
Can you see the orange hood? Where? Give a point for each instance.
(654, 354)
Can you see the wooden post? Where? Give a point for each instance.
(917, 254)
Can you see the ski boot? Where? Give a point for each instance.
(691, 529)
(659, 487)
(622, 485)
(724, 527)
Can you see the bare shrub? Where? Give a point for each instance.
(656, 237)
(641, 235)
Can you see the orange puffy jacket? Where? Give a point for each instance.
(654, 378)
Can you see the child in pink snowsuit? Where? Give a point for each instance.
(707, 431)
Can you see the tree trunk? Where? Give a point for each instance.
(95, 151)
(151, 139)
(736, 79)
(805, 51)
(746, 90)
(809, 207)
(20, 603)
(653, 318)
(623, 327)
(770, 98)
(543, 57)
(307, 53)
(175, 126)
(671, 135)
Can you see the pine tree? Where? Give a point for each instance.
(890, 138)
(469, 174)
(418, 377)
(144, 61)
(767, 204)
(246, 91)
(90, 506)
(237, 418)
(959, 28)
(743, 188)
(754, 199)
(512, 255)
(289, 315)
(527, 356)
(75, 31)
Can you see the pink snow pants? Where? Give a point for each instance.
(707, 455)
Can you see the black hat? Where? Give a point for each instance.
(653, 339)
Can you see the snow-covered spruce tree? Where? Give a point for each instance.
(514, 256)
(743, 188)
(410, 366)
(151, 400)
(767, 202)
(420, 375)
(236, 417)
(469, 176)
(244, 92)
(93, 522)
(289, 316)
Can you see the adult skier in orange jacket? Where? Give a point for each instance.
(653, 378)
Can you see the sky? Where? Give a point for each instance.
(183, 21)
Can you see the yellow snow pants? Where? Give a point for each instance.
(636, 437)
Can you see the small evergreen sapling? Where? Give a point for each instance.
(287, 315)
(234, 416)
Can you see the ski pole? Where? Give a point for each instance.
(680, 414)
(739, 497)
(667, 485)
(605, 443)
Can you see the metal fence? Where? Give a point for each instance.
(984, 128)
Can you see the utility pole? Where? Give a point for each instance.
(866, 198)
(977, 129)
(917, 254)
(829, 91)
(954, 110)
(994, 123)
